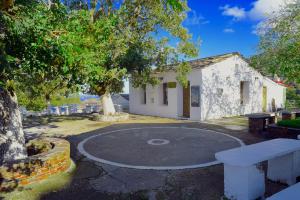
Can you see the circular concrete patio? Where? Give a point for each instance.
(159, 148)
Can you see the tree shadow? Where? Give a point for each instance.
(224, 96)
(80, 188)
(33, 121)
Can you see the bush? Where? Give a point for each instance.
(292, 99)
(96, 117)
(38, 146)
(294, 123)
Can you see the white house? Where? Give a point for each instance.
(219, 86)
(121, 100)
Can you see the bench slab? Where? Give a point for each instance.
(291, 193)
(252, 154)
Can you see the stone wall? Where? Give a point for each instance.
(36, 168)
(110, 118)
(275, 131)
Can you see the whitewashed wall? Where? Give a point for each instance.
(154, 105)
(119, 100)
(227, 76)
(195, 79)
(275, 91)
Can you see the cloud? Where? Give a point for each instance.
(195, 19)
(263, 9)
(235, 12)
(228, 30)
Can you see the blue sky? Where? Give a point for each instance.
(228, 25)
(221, 32)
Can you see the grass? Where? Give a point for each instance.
(294, 123)
(237, 120)
(63, 126)
(36, 190)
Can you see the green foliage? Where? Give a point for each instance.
(32, 56)
(62, 100)
(183, 70)
(36, 103)
(280, 44)
(292, 99)
(149, 50)
(294, 123)
(113, 43)
(49, 50)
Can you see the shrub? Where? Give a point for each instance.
(294, 123)
(38, 146)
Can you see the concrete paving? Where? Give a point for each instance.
(157, 147)
(95, 180)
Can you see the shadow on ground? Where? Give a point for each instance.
(92, 180)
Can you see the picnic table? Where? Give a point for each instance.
(258, 122)
(244, 178)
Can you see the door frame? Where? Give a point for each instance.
(264, 98)
(186, 101)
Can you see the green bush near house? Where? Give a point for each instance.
(294, 123)
(292, 99)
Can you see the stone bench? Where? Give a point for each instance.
(244, 178)
(258, 122)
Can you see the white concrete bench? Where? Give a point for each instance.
(291, 193)
(244, 178)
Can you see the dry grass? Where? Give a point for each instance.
(62, 126)
(36, 190)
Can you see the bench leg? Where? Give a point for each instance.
(297, 161)
(243, 183)
(284, 168)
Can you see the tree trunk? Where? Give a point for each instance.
(12, 141)
(47, 97)
(108, 105)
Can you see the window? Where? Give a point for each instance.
(195, 96)
(165, 93)
(143, 95)
(152, 100)
(242, 92)
(219, 92)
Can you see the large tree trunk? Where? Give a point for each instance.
(47, 97)
(12, 141)
(108, 105)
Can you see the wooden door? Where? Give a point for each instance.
(186, 101)
(264, 101)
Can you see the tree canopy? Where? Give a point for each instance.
(279, 48)
(98, 44)
(52, 46)
(114, 42)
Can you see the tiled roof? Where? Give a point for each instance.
(204, 62)
(125, 96)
